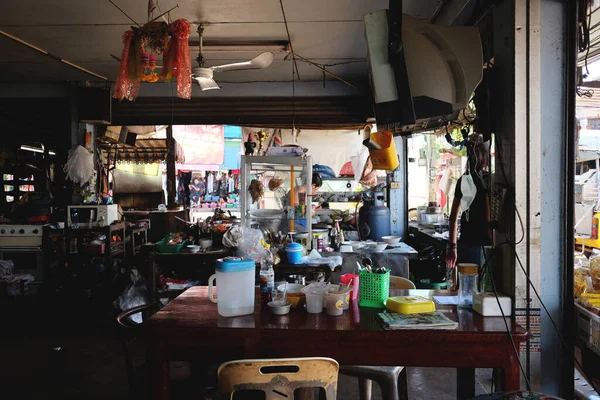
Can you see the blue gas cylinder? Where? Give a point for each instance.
(378, 218)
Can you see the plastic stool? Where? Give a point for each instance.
(391, 380)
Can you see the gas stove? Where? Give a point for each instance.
(21, 230)
(25, 235)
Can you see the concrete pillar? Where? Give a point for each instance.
(529, 48)
(399, 191)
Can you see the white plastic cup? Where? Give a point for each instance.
(314, 303)
(346, 300)
(335, 303)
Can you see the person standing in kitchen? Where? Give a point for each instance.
(303, 192)
(471, 203)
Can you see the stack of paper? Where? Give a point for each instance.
(435, 320)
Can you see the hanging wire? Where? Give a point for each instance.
(287, 30)
(293, 103)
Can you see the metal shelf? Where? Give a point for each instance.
(295, 161)
(253, 164)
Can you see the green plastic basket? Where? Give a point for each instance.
(163, 247)
(374, 289)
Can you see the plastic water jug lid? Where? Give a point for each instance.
(294, 246)
(233, 264)
(468, 269)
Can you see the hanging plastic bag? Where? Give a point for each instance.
(359, 162)
(369, 176)
(80, 166)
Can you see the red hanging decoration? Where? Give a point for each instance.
(138, 59)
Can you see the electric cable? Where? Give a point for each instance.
(564, 343)
(512, 341)
(287, 29)
(506, 181)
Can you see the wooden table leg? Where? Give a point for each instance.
(465, 383)
(160, 379)
(512, 374)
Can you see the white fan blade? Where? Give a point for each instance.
(206, 83)
(204, 78)
(261, 61)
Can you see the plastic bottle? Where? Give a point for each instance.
(267, 274)
(75, 219)
(334, 236)
(467, 284)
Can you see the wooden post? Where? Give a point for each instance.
(171, 187)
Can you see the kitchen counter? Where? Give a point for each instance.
(397, 259)
(424, 235)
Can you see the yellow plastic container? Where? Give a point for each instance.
(410, 305)
(385, 158)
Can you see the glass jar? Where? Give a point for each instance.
(467, 284)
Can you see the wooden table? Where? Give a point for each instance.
(189, 328)
(198, 266)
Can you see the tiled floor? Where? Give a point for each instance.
(72, 352)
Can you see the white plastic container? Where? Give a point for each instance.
(235, 286)
(335, 303)
(314, 303)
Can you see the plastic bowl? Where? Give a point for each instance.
(193, 248)
(391, 239)
(354, 243)
(205, 243)
(380, 247)
(294, 294)
(279, 308)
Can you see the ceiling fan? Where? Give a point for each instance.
(204, 75)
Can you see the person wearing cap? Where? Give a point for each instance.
(471, 203)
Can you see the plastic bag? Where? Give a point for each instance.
(369, 176)
(134, 295)
(233, 237)
(582, 281)
(580, 260)
(595, 271)
(80, 166)
(250, 247)
(359, 161)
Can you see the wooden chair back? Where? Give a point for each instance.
(397, 282)
(279, 378)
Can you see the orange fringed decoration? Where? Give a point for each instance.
(128, 82)
(136, 66)
(176, 60)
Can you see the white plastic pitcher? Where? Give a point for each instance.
(235, 286)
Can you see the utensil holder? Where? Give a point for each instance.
(374, 289)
